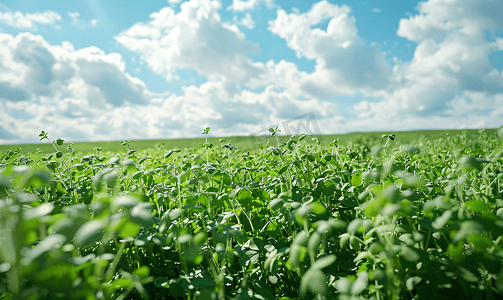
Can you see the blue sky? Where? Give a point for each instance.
(110, 70)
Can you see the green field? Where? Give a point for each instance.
(245, 143)
(407, 215)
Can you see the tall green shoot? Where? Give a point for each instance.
(207, 145)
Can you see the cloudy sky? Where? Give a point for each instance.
(109, 70)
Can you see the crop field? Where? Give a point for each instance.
(243, 143)
(364, 216)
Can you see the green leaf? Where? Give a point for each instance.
(313, 244)
(52, 241)
(142, 272)
(39, 211)
(317, 208)
(273, 279)
(89, 233)
(302, 238)
(324, 262)
(360, 284)
(297, 253)
(470, 162)
(315, 281)
(126, 200)
(357, 178)
(59, 141)
(276, 204)
(301, 213)
(409, 180)
(476, 206)
(343, 285)
(170, 152)
(467, 228)
(468, 275)
(496, 155)
(282, 170)
(141, 214)
(376, 150)
(480, 242)
(129, 229)
(243, 196)
(499, 213)
(411, 149)
(161, 282)
(410, 253)
(440, 222)
(175, 213)
(121, 283)
(110, 178)
(412, 282)
(192, 181)
(185, 238)
(355, 226)
(137, 174)
(182, 177)
(193, 254)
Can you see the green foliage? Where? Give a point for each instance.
(384, 218)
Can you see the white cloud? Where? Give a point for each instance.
(29, 21)
(247, 21)
(240, 5)
(75, 17)
(56, 86)
(94, 22)
(194, 38)
(85, 94)
(499, 44)
(450, 65)
(32, 68)
(344, 63)
(376, 10)
(173, 2)
(439, 18)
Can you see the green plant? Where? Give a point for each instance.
(349, 220)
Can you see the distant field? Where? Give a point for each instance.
(243, 143)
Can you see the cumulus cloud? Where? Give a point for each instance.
(29, 21)
(450, 63)
(32, 68)
(344, 63)
(75, 17)
(85, 94)
(194, 38)
(499, 44)
(247, 21)
(451, 59)
(43, 84)
(226, 108)
(439, 18)
(240, 5)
